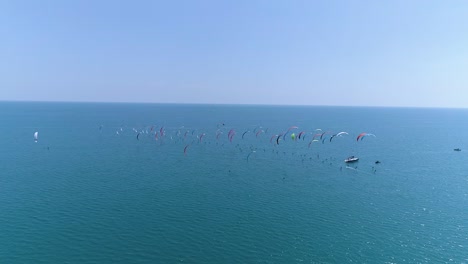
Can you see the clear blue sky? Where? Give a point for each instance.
(372, 53)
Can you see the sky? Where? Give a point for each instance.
(352, 53)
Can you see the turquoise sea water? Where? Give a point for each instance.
(85, 194)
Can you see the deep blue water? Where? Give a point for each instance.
(85, 194)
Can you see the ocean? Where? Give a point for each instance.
(169, 183)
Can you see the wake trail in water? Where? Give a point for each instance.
(360, 171)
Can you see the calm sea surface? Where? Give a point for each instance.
(110, 183)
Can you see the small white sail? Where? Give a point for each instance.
(36, 134)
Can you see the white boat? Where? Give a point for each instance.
(351, 159)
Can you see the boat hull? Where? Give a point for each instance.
(351, 160)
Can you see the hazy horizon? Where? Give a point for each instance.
(230, 104)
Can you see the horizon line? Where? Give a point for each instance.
(227, 104)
